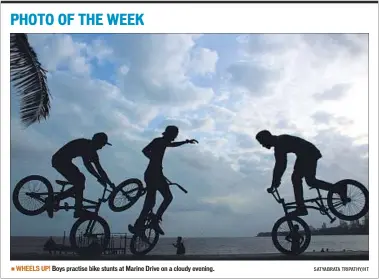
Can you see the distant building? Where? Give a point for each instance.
(354, 224)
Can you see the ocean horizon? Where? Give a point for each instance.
(208, 245)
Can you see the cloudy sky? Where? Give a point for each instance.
(221, 90)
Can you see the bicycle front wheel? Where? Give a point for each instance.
(125, 195)
(30, 194)
(288, 240)
(90, 236)
(143, 245)
(356, 204)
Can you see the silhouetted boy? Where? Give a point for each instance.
(155, 180)
(305, 166)
(62, 162)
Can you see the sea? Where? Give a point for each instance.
(212, 246)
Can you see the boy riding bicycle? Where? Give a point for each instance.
(305, 166)
(62, 162)
(155, 180)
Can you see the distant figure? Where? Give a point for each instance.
(327, 249)
(49, 245)
(296, 239)
(305, 166)
(322, 250)
(179, 245)
(62, 162)
(155, 180)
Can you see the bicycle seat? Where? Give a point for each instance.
(62, 182)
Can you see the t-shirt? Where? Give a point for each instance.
(158, 147)
(291, 144)
(77, 148)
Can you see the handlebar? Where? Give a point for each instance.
(176, 184)
(274, 192)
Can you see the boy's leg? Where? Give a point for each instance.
(148, 205)
(310, 168)
(297, 181)
(167, 199)
(74, 176)
(165, 191)
(310, 178)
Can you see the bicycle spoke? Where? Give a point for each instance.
(33, 187)
(125, 195)
(355, 204)
(88, 232)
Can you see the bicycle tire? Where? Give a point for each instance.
(339, 214)
(16, 193)
(134, 241)
(274, 234)
(82, 250)
(132, 201)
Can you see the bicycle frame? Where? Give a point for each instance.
(91, 203)
(320, 206)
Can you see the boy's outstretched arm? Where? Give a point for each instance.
(179, 143)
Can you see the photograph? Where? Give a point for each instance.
(189, 147)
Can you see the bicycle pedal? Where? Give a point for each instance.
(332, 220)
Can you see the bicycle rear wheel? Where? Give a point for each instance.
(125, 195)
(283, 228)
(357, 202)
(139, 246)
(90, 236)
(30, 194)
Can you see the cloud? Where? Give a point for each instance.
(61, 51)
(250, 77)
(160, 69)
(322, 117)
(334, 93)
(204, 61)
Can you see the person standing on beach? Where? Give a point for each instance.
(155, 180)
(179, 245)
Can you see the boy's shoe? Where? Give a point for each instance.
(300, 211)
(155, 224)
(342, 192)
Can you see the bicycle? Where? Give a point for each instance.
(334, 205)
(137, 242)
(77, 239)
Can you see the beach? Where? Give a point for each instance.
(310, 256)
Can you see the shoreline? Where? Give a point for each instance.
(310, 256)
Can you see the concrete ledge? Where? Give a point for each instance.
(311, 256)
